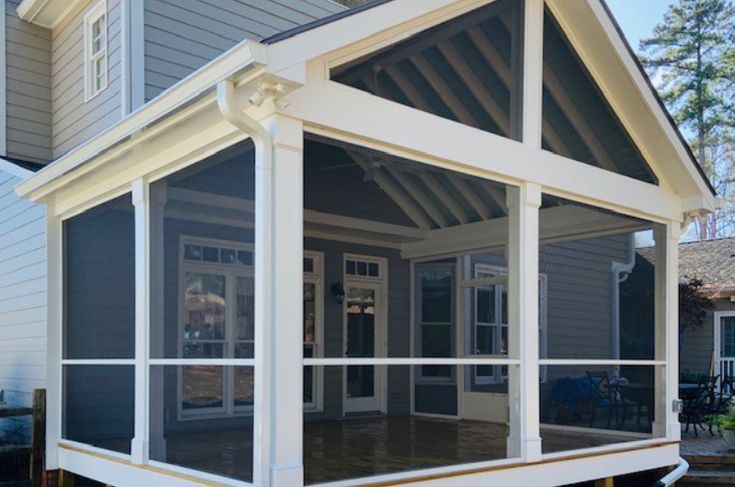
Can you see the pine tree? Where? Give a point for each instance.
(691, 57)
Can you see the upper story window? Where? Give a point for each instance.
(95, 50)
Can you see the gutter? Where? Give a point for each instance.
(619, 268)
(675, 475)
(248, 55)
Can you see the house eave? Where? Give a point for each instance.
(45, 13)
(246, 59)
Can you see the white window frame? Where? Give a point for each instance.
(96, 13)
(316, 277)
(231, 273)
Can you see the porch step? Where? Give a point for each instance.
(704, 478)
(711, 462)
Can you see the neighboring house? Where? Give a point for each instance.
(384, 245)
(710, 349)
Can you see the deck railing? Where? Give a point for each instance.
(726, 370)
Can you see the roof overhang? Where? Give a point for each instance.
(348, 35)
(46, 13)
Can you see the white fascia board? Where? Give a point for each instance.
(593, 34)
(248, 55)
(45, 13)
(15, 170)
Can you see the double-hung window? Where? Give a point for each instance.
(95, 50)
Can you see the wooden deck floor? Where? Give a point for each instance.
(353, 448)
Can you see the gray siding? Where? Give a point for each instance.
(697, 346)
(180, 37)
(75, 120)
(28, 64)
(22, 303)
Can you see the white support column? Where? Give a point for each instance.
(524, 438)
(533, 49)
(54, 336)
(280, 355)
(141, 202)
(666, 422)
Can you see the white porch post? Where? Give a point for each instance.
(54, 336)
(667, 330)
(141, 202)
(524, 438)
(284, 346)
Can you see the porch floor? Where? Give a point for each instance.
(362, 447)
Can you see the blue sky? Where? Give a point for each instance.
(638, 17)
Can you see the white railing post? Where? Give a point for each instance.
(284, 347)
(141, 203)
(54, 336)
(524, 438)
(666, 271)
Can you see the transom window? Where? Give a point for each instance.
(95, 50)
(362, 267)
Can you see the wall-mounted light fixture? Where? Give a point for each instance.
(338, 292)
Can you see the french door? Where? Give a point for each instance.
(725, 344)
(363, 331)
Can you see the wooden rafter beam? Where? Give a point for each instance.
(440, 191)
(472, 198)
(572, 113)
(444, 91)
(501, 68)
(418, 194)
(407, 88)
(393, 190)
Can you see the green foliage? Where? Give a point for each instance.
(694, 304)
(691, 57)
(723, 422)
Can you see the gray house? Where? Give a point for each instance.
(282, 243)
(710, 349)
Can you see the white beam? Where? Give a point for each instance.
(524, 438)
(533, 58)
(54, 336)
(329, 110)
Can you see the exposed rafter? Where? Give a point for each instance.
(393, 190)
(420, 196)
(501, 68)
(472, 198)
(431, 182)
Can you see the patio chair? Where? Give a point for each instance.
(604, 396)
(698, 406)
(636, 400)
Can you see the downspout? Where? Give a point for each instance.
(263, 143)
(618, 268)
(675, 475)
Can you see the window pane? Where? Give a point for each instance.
(202, 387)
(99, 291)
(99, 405)
(245, 308)
(436, 296)
(728, 336)
(202, 289)
(309, 312)
(486, 305)
(486, 339)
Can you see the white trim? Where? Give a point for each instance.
(97, 13)
(636, 363)
(317, 278)
(46, 13)
(718, 315)
(379, 285)
(67, 361)
(54, 336)
(410, 361)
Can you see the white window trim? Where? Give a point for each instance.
(316, 277)
(97, 12)
(231, 273)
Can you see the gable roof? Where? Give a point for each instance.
(287, 34)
